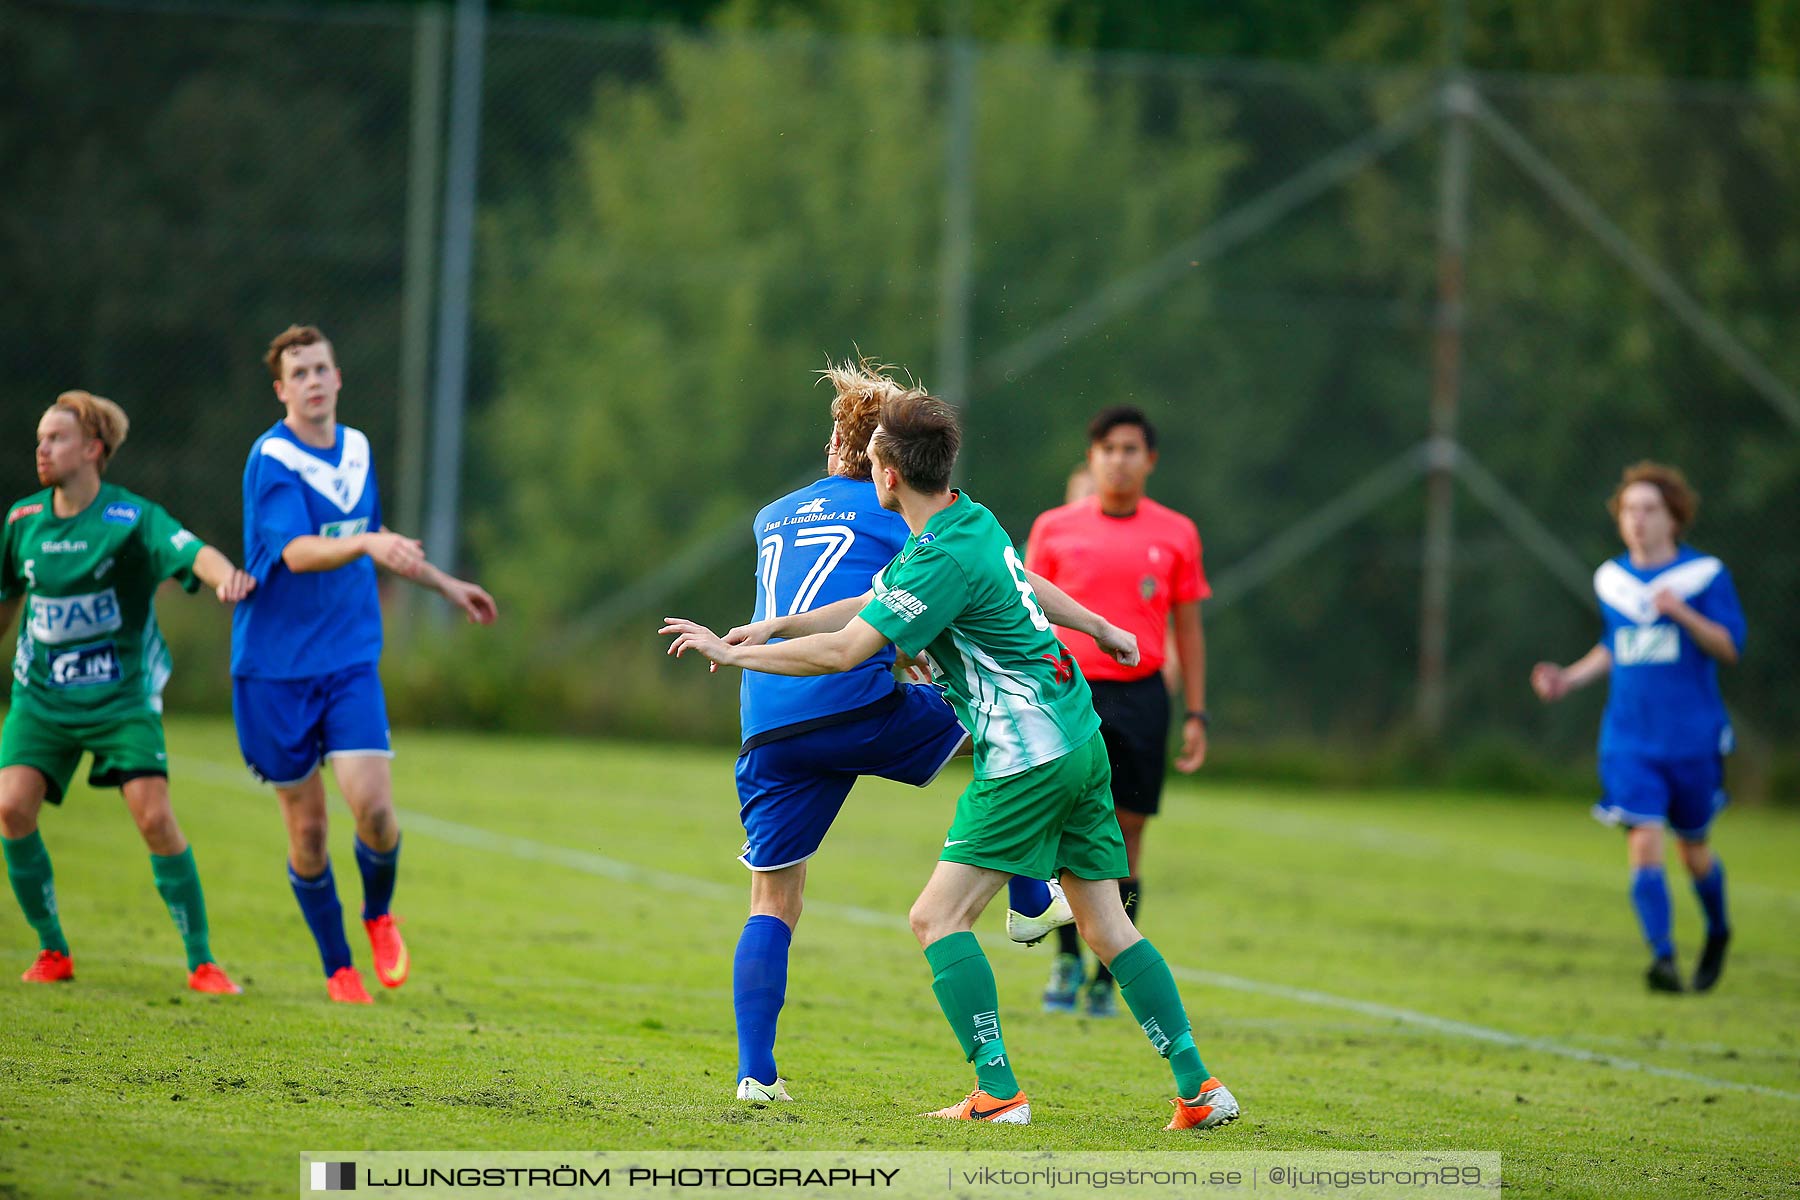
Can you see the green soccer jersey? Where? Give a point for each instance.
(89, 649)
(958, 592)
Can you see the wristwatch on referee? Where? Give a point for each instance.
(1199, 714)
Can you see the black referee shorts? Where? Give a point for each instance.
(1134, 721)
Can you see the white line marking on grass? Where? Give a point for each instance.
(587, 862)
(1406, 843)
(1479, 1033)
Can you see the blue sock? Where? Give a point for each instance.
(1650, 896)
(324, 916)
(759, 988)
(1028, 896)
(378, 871)
(1711, 891)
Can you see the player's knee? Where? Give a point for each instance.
(926, 924)
(1697, 855)
(783, 908)
(18, 810)
(1106, 938)
(16, 820)
(307, 838)
(1645, 845)
(158, 826)
(376, 823)
(767, 900)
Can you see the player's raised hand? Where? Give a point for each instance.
(1549, 682)
(691, 635)
(400, 554)
(235, 586)
(1120, 644)
(1667, 603)
(473, 599)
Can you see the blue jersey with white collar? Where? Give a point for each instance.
(1664, 700)
(300, 625)
(814, 547)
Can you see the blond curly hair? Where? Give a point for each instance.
(862, 387)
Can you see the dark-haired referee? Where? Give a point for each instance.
(1133, 561)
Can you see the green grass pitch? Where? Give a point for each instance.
(1369, 971)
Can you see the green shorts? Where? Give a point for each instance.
(124, 748)
(1055, 817)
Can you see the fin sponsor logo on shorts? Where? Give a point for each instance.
(344, 529)
(23, 511)
(122, 514)
(55, 620)
(85, 666)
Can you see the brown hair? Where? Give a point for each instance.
(287, 339)
(1678, 495)
(919, 437)
(99, 418)
(861, 386)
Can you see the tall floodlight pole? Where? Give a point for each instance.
(454, 281)
(424, 160)
(1457, 102)
(955, 255)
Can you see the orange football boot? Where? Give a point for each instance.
(392, 963)
(52, 966)
(346, 987)
(211, 978)
(1213, 1107)
(979, 1106)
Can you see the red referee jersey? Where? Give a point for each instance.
(1130, 570)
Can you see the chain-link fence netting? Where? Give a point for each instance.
(675, 231)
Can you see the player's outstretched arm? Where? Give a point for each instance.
(471, 598)
(1552, 683)
(812, 654)
(1062, 610)
(828, 619)
(217, 572)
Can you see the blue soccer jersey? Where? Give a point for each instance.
(1664, 702)
(817, 546)
(303, 625)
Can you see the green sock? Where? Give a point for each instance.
(178, 881)
(33, 882)
(1149, 991)
(963, 983)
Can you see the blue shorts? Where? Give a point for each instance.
(790, 790)
(1687, 793)
(286, 727)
